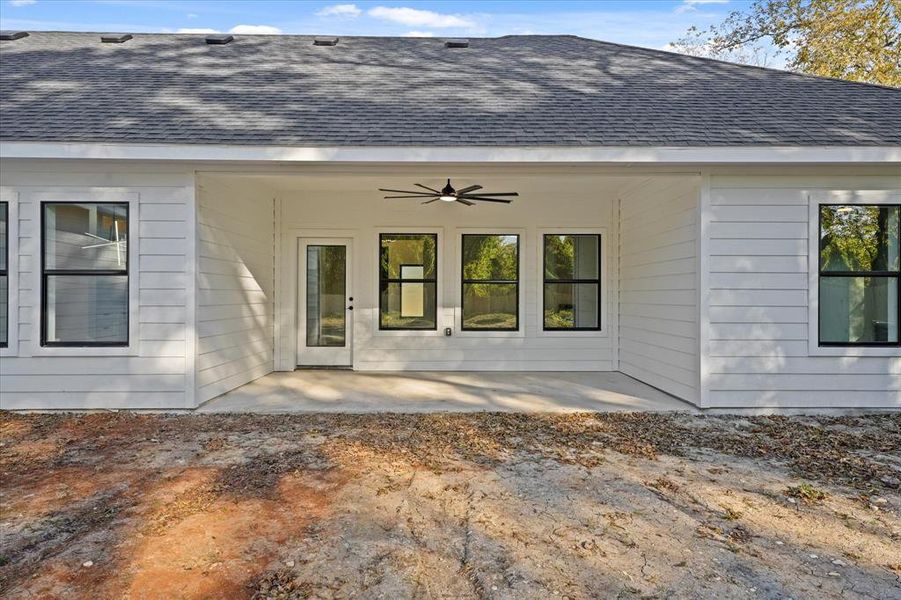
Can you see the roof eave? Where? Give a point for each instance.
(456, 154)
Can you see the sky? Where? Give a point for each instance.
(649, 23)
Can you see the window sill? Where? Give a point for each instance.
(487, 333)
(589, 333)
(408, 333)
(862, 351)
(85, 351)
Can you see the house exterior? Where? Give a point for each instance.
(184, 215)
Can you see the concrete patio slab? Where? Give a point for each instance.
(356, 392)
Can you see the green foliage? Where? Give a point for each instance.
(489, 257)
(858, 40)
(397, 250)
(559, 256)
(559, 318)
(331, 265)
(859, 238)
(806, 493)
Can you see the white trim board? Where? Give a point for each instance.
(286, 291)
(605, 282)
(443, 313)
(88, 196)
(815, 199)
(476, 154)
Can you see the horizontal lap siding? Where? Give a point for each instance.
(757, 353)
(658, 303)
(566, 203)
(156, 376)
(234, 286)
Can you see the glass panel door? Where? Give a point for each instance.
(324, 302)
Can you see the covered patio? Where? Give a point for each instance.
(315, 390)
(264, 305)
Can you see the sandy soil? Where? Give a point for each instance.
(450, 506)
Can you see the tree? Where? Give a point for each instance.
(859, 40)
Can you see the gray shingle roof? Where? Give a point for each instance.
(508, 91)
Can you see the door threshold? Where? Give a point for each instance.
(323, 368)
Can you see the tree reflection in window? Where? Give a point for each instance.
(490, 282)
(860, 270)
(408, 281)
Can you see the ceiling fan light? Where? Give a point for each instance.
(447, 198)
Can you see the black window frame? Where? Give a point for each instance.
(385, 281)
(4, 272)
(464, 281)
(545, 281)
(896, 275)
(45, 273)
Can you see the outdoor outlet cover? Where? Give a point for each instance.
(447, 331)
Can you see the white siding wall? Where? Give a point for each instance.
(235, 284)
(354, 205)
(758, 352)
(153, 374)
(658, 299)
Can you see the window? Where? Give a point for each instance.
(4, 274)
(572, 282)
(84, 271)
(490, 282)
(326, 293)
(408, 281)
(859, 275)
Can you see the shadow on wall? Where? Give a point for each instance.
(235, 270)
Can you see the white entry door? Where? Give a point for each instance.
(324, 302)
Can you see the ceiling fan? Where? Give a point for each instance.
(449, 194)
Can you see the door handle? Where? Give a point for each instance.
(350, 308)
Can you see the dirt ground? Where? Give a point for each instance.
(450, 506)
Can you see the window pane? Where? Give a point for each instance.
(408, 306)
(86, 236)
(326, 281)
(4, 309)
(858, 309)
(490, 257)
(4, 214)
(571, 256)
(87, 309)
(399, 251)
(571, 306)
(490, 306)
(859, 238)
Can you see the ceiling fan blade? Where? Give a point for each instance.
(483, 199)
(471, 188)
(496, 194)
(419, 197)
(425, 187)
(466, 202)
(408, 192)
(432, 200)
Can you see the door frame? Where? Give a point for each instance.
(286, 308)
(331, 356)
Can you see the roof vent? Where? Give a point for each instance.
(13, 35)
(219, 39)
(456, 43)
(115, 38)
(325, 41)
